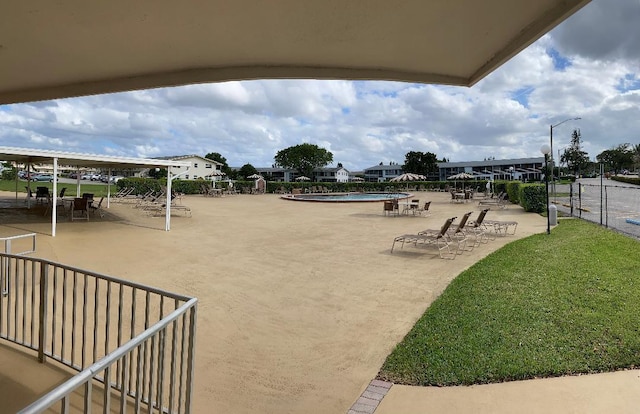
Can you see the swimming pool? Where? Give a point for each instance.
(346, 197)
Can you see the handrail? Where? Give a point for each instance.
(133, 338)
(63, 390)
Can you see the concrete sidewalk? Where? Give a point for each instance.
(612, 392)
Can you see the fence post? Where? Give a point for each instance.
(606, 208)
(571, 199)
(42, 330)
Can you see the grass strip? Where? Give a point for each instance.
(548, 305)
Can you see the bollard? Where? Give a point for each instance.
(553, 215)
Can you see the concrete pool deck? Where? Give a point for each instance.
(300, 303)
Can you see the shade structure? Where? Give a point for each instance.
(357, 179)
(303, 178)
(254, 176)
(213, 41)
(409, 177)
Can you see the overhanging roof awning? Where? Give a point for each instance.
(26, 155)
(67, 48)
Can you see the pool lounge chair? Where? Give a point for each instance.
(501, 227)
(459, 234)
(478, 229)
(437, 238)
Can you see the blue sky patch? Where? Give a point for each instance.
(559, 62)
(630, 82)
(522, 95)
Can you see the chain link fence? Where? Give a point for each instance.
(613, 206)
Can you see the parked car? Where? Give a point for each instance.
(95, 177)
(73, 175)
(42, 177)
(85, 177)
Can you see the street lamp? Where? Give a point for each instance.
(546, 150)
(511, 173)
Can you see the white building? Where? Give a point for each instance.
(200, 168)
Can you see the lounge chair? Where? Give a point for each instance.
(438, 238)
(498, 201)
(501, 227)
(477, 228)
(459, 234)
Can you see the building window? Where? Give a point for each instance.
(195, 165)
(195, 176)
(207, 166)
(186, 177)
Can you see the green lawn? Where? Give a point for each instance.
(547, 305)
(98, 190)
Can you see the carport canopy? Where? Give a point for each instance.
(56, 158)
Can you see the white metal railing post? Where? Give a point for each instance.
(42, 311)
(190, 358)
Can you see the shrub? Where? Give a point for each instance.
(513, 191)
(533, 197)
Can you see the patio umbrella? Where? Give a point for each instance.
(408, 177)
(254, 176)
(214, 175)
(460, 176)
(303, 178)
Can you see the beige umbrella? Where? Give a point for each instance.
(409, 177)
(303, 178)
(460, 176)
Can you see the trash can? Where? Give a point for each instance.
(553, 215)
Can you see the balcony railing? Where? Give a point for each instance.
(131, 345)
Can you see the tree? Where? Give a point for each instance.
(222, 160)
(576, 159)
(247, 170)
(425, 163)
(303, 158)
(636, 156)
(616, 158)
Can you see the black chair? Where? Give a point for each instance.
(80, 209)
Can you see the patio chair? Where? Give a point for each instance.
(41, 194)
(388, 208)
(80, 209)
(425, 209)
(97, 209)
(437, 238)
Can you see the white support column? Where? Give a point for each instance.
(54, 199)
(167, 219)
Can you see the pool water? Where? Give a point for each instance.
(346, 197)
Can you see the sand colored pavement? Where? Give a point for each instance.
(299, 303)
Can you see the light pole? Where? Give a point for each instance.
(546, 150)
(511, 173)
(551, 137)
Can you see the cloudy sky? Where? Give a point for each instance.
(588, 67)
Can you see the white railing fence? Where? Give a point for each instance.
(132, 345)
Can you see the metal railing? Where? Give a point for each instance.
(132, 345)
(8, 243)
(613, 206)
